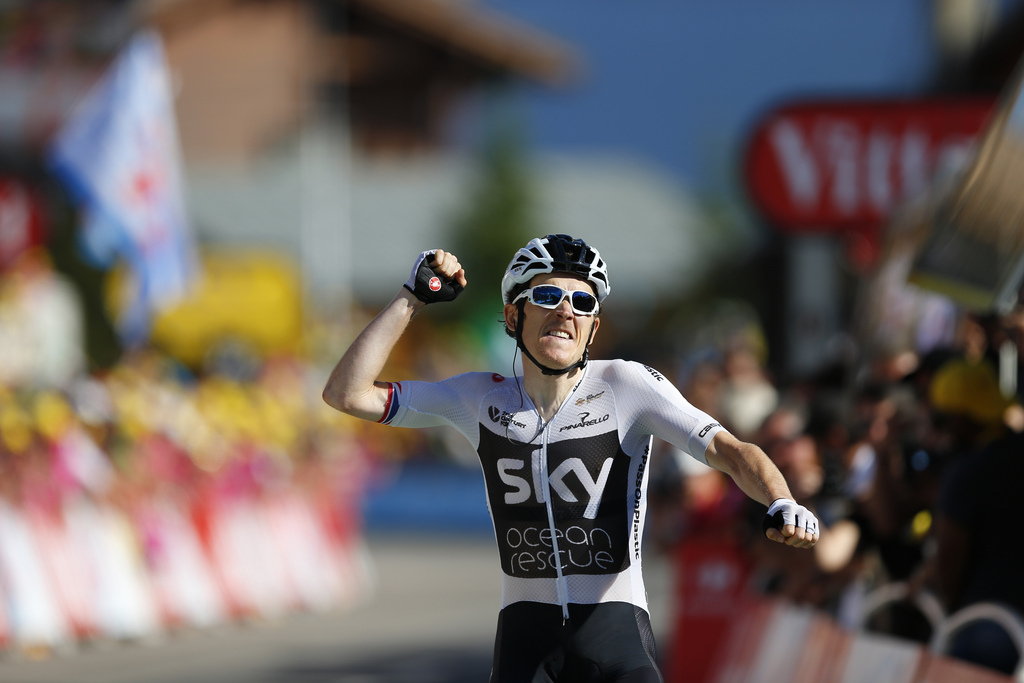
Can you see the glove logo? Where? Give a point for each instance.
(434, 284)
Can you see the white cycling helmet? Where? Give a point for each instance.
(556, 254)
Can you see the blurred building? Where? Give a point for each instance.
(336, 131)
(274, 99)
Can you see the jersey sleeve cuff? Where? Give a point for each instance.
(392, 405)
(701, 439)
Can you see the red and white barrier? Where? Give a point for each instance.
(68, 571)
(33, 610)
(710, 587)
(827, 648)
(93, 571)
(182, 577)
(874, 659)
(771, 641)
(937, 669)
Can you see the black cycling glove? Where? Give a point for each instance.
(428, 286)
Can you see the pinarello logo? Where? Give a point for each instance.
(434, 284)
(497, 378)
(494, 413)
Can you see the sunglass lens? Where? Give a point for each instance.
(583, 302)
(547, 295)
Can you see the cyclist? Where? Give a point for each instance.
(564, 452)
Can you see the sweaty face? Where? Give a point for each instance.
(556, 337)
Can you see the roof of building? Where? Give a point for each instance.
(483, 36)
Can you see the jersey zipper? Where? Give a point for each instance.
(561, 588)
(561, 585)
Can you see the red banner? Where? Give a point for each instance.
(710, 589)
(832, 167)
(20, 220)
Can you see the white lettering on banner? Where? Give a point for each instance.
(879, 162)
(584, 549)
(840, 139)
(854, 170)
(914, 173)
(593, 487)
(798, 163)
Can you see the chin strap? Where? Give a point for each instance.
(545, 370)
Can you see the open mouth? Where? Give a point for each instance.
(559, 334)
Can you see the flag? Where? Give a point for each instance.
(119, 155)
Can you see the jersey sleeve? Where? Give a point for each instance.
(453, 402)
(653, 406)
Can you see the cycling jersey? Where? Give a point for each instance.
(567, 497)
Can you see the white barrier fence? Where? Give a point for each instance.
(772, 641)
(87, 570)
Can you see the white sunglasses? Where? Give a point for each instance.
(550, 296)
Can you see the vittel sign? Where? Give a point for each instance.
(829, 166)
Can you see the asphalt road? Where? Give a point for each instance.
(429, 617)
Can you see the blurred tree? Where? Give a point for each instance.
(102, 346)
(497, 220)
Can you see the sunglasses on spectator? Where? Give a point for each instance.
(550, 296)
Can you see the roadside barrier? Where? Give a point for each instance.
(771, 641)
(710, 588)
(901, 592)
(1006, 617)
(88, 570)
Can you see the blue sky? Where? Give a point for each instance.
(681, 83)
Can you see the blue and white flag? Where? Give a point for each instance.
(119, 154)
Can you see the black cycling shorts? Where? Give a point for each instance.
(601, 643)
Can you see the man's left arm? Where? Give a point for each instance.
(758, 477)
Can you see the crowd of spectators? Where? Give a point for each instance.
(912, 463)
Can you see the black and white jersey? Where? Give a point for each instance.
(568, 498)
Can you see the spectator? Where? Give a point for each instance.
(747, 396)
(980, 547)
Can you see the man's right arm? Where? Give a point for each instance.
(352, 387)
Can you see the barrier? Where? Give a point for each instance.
(93, 571)
(737, 659)
(33, 612)
(946, 670)
(900, 591)
(63, 558)
(1004, 616)
(826, 650)
(710, 586)
(771, 641)
(881, 659)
